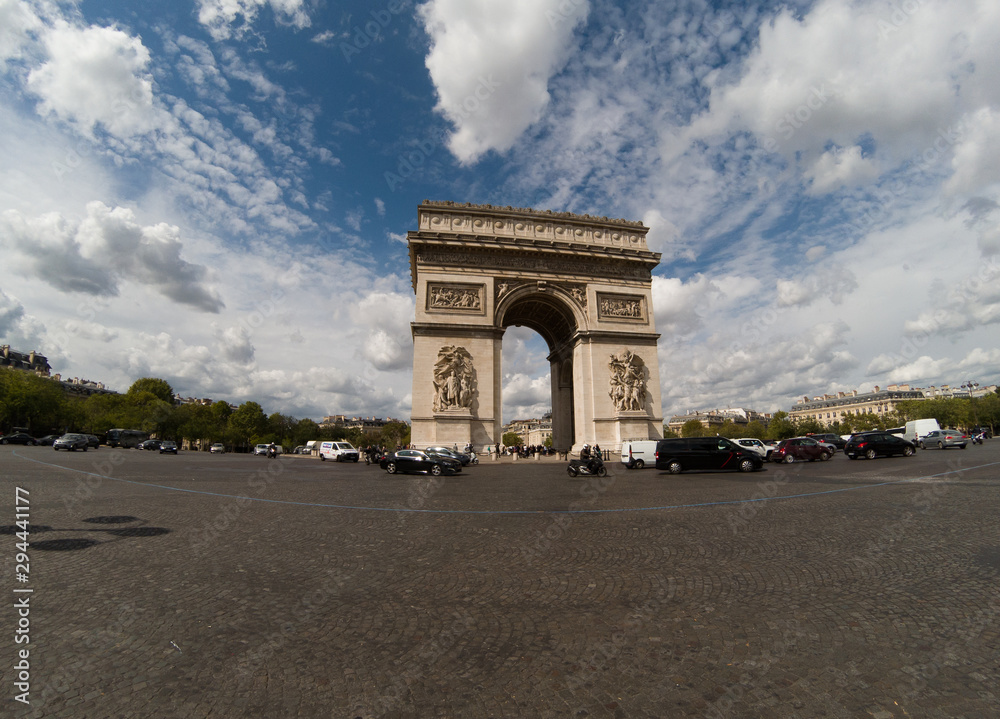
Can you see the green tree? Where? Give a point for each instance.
(781, 427)
(248, 423)
(693, 428)
(27, 400)
(808, 425)
(755, 429)
(395, 434)
(159, 388)
(512, 439)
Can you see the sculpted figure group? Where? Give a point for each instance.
(454, 381)
(628, 382)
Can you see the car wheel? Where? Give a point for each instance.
(3, 441)
(746, 465)
(963, 446)
(32, 443)
(871, 454)
(940, 445)
(825, 456)
(391, 468)
(908, 451)
(436, 470)
(674, 467)
(639, 464)
(923, 446)
(356, 459)
(789, 459)
(322, 458)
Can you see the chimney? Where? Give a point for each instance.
(876, 388)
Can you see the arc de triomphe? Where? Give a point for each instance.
(583, 283)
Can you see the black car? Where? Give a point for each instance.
(413, 460)
(705, 453)
(835, 439)
(150, 444)
(48, 439)
(460, 456)
(168, 446)
(877, 444)
(93, 440)
(18, 438)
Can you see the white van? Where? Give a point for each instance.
(338, 451)
(639, 453)
(917, 428)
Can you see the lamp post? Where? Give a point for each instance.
(971, 386)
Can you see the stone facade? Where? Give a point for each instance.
(583, 283)
(837, 407)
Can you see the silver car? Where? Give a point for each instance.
(72, 442)
(944, 438)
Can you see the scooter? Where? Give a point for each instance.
(978, 438)
(579, 467)
(473, 458)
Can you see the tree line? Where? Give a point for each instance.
(957, 412)
(40, 405)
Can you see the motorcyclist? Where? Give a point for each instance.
(272, 450)
(587, 459)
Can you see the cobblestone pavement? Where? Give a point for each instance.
(234, 586)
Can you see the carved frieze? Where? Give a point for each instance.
(455, 297)
(511, 222)
(621, 308)
(591, 267)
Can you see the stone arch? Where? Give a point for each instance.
(583, 283)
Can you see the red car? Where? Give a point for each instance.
(798, 449)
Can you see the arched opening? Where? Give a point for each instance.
(553, 318)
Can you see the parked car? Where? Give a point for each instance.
(72, 442)
(301, 449)
(339, 451)
(414, 460)
(797, 449)
(944, 438)
(18, 438)
(836, 440)
(47, 440)
(168, 446)
(705, 453)
(759, 446)
(93, 440)
(460, 456)
(878, 444)
(217, 448)
(150, 445)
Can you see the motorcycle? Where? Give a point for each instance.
(978, 438)
(579, 467)
(272, 452)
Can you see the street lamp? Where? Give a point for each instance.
(971, 386)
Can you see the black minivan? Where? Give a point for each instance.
(705, 453)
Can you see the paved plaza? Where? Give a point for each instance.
(234, 586)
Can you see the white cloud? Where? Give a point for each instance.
(94, 255)
(839, 167)
(96, 76)
(491, 60)
(234, 18)
(17, 24)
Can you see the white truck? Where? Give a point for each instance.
(338, 451)
(917, 428)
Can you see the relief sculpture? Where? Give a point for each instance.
(628, 382)
(454, 380)
(454, 298)
(621, 307)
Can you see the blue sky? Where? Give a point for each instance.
(217, 192)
